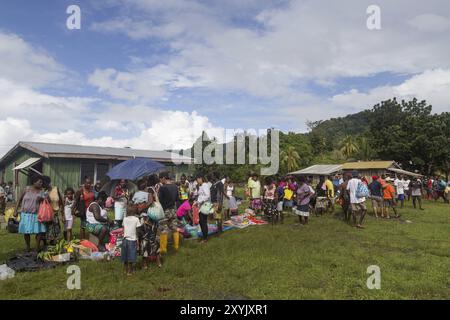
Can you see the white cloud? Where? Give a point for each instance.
(432, 86)
(430, 22)
(282, 47)
(26, 64)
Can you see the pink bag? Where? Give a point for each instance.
(45, 213)
(109, 202)
(195, 214)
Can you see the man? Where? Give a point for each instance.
(183, 190)
(168, 196)
(358, 204)
(400, 188)
(330, 192)
(406, 183)
(416, 187)
(376, 195)
(440, 189)
(345, 197)
(389, 197)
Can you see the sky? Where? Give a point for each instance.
(154, 74)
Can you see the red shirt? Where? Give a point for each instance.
(88, 197)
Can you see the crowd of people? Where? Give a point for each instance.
(160, 205)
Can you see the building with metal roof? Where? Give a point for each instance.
(67, 165)
(318, 170)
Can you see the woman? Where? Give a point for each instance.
(204, 199)
(270, 199)
(142, 198)
(29, 202)
(121, 196)
(83, 199)
(229, 201)
(97, 222)
(56, 200)
(303, 198)
(255, 193)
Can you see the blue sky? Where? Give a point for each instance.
(149, 73)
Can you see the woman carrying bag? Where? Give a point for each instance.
(29, 203)
(205, 205)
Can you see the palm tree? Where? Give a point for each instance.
(365, 152)
(290, 158)
(348, 146)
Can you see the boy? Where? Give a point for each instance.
(129, 244)
(67, 217)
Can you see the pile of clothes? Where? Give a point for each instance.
(244, 220)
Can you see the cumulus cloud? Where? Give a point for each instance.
(27, 64)
(432, 85)
(282, 47)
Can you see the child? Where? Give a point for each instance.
(67, 217)
(150, 241)
(184, 212)
(129, 244)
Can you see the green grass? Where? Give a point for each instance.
(327, 259)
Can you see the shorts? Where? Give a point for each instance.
(401, 197)
(389, 203)
(170, 221)
(377, 202)
(68, 224)
(129, 251)
(359, 206)
(288, 203)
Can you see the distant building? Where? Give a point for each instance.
(67, 165)
(365, 168)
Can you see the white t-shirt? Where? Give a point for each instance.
(130, 224)
(68, 209)
(90, 217)
(204, 193)
(399, 186)
(352, 186)
(406, 184)
(2, 192)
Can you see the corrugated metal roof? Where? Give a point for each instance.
(79, 151)
(319, 169)
(404, 172)
(367, 165)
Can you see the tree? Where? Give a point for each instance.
(348, 146)
(365, 151)
(290, 158)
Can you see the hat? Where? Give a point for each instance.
(388, 179)
(374, 178)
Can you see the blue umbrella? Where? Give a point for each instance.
(134, 169)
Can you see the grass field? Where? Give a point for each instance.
(327, 259)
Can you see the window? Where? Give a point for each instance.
(102, 169)
(87, 170)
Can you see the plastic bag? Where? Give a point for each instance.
(6, 272)
(45, 213)
(156, 212)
